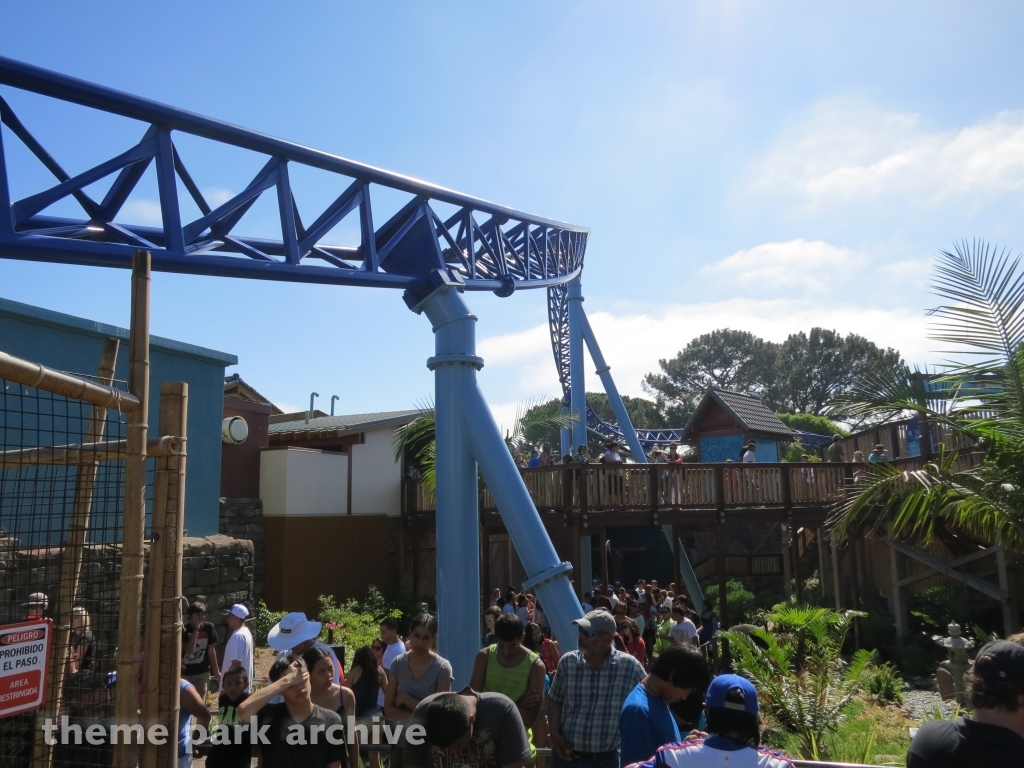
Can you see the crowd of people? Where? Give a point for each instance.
(641, 691)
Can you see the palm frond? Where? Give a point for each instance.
(985, 318)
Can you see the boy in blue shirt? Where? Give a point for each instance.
(646, 722)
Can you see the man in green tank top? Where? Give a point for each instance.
(510, 668)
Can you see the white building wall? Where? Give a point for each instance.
(300, 481)
(376, 476)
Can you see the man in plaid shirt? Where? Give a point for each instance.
(586, 697)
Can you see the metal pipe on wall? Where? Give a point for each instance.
(605, 372)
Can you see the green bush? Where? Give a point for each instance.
(353, 623)
(264, 621)
(739, 600)
(884, 681)
(804, 685)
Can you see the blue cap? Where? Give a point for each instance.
(743, 698)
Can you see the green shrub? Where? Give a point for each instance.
(884, 681)
(804, 685)
(739, 600)
(354, 624)
(264, 621)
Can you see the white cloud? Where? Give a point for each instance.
(797, 265)
(774, 289)
(847, 150)
(216, 196)
(141, 211)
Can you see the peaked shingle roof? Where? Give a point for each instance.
(748, 410)
(339, 425)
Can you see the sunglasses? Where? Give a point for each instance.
(587, 632)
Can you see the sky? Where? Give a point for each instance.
(762, 166)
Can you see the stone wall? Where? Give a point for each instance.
(217, 570)
(243, 519)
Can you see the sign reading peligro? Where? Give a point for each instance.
(24, 665)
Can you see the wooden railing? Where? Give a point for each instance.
(653, 487)
(741, 565)
(597, 487)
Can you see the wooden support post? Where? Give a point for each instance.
(485, 566)
(794, 552)
(854, 591)
(415, 561)
(821, 561)
(126, 700)
(787, 561)
(401, 557)
(1010, 604)
(71, 559)
(172, 609)
(894, 438)
(606, 576)
(899, 600)
(163, 605)
(836, 589)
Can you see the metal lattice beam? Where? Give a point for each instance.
(487, 246)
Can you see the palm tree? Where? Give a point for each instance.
(417, 437)
(983, 320)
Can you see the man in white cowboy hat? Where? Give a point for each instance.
(238, 649)
(296, 634)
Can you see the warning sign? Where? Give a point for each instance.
(24, 664)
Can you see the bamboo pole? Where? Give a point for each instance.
(126, 702)
(71, 560)
(35, 375)
(88, 453)
(176, 410)
(163, 567)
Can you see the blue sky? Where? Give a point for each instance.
(765, 166)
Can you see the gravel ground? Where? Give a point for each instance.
(917, 704)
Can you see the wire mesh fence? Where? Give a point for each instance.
(61, 518)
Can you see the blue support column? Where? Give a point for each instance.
(457, 518)
(467, 430)
(605, 372)
(577, 385)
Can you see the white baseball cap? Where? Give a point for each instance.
(238, 610)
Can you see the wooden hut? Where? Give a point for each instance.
(726, 421)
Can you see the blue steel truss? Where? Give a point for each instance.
(484, 245)
(558, 327)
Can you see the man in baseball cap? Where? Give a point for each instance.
(733, 733)
(586, 696)
(238, 652)
(36, 605)
(993, 736)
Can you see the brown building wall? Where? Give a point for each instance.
(325, 555)
(240, 464)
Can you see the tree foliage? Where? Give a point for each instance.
(803, 374)
(807, 422)
(983, 320)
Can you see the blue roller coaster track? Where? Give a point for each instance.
(487, 247)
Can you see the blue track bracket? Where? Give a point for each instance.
(466, 437)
